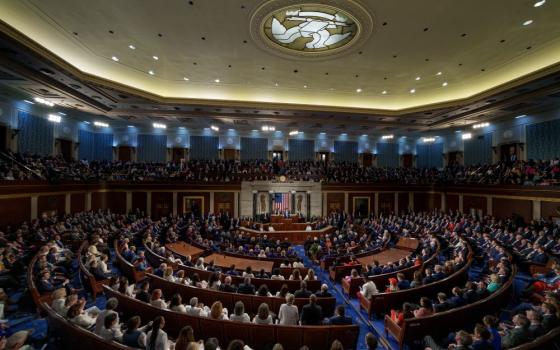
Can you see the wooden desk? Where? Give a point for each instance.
(184, 249)
(294, 237)
(240, 264)
(386, 256)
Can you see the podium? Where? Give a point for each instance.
(280, 219)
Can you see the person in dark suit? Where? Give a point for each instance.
(143, 293)
(457, 299)
(519, 334)
(246, 287)
(227, 286)
(402, 283)
(550, 320)
(442, 303)
(535, 327)
(302, 292)
(339, 318)
(323, 292)
(463, 341)
(232, 271)
(438, 273)
(540, 256)
(311, 314)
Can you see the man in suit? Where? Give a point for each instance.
(302, 292)
(457, 300)
(227, 286)
(540, 256)
(535, 327)
(311, 314)
(463, 341)
(246, 287)
(519, 334)
(442, 303)
(323, 292)
(143, 293)
(371, 341)
(339, 317)
(550, 320)
(438, 273)
(402, 283)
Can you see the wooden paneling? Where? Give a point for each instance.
(426, 201)
(205, 196)
(503, 208)
(77, 202)
(117, 202)
(98, 200)
(386, 203)
(51, 204)
(475, 202)
(15, 211)
(352, 209)
(162, 204)
(550, 210)
(452, 201)
(335, 202)
(139, 201)
(403, 202)
(224, 202)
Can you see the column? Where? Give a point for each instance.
(236, 204)
(376, 204)
(324, 204)
(488, 205)
(255, 204)
(67, 203)
(537, 210)
(461, 203)
(443, 203)
(88, 201)
(174, 203)
(346, 208)
(34, 207)
(396, 203)
(128, 201)
(211, 210)
(149, 203)
(411, 201)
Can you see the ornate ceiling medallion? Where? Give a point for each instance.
(290, 28)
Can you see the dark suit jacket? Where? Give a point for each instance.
(246, 289)
(228, 288)
(515, 337)
(339, 320)
(311, 315)
(302, 293)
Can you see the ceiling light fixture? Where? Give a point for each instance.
(159, 126)
(444, 84)
(214, 127)
(384, 92)
(466, 136)
(268, 128)
(521, 116)
(457, 131)
(27, 101)
(186, 79)
(55, 118)
(101, 124)
(151, 72)
(216, 80)
(305, 86)
(412, 91)
(132, 47)
(155, 58)
(86, 122)
(387, 137)
(343, 134)
(43, 101)
(439, 73)
(115, 58)
(429, 139)
(527, 22)
(539, 3)
(358, 90)
(131, 126)
(275, 84)
(417, 78)
(61, 113)
(294, 132)
(480, 125)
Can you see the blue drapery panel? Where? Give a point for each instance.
(543, 140)
(152, 148)
(254, 148)
(346, 151)
(388, 155)
(301, 149)
(429, 155)
(478, 150)
(35, 135)
(204, 147)
(86, 149)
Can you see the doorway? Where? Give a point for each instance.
(3, 138)
(367, 159)
(324, 157)
(279, 155)
(65, 149)
(178, 153)
(453, 158)
(407, 161)
(229, 154)
(509, 153)
(125, 153)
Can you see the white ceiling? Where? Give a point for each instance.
(410, 39)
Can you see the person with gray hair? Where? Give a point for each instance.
(110, 307)
(288, 315)
(196, 309)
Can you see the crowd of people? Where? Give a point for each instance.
(56, 168)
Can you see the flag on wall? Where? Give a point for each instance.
(281, 202)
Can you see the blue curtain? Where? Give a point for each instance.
(429, 155)
(86, 149)
(152, 148)
(388, 155)
(478, 150)
(95, 146)
(346, 151)
(204, 147)
(36, 135)
(254, 148)
(301, 149)
(543, 141)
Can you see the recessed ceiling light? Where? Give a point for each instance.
(527, 22)
(61, 113)
(275, 84)
(417, 78)
(444, 84)
(216, 80)
(539, 3)
(27, 101)
(521, 116)
(384, 92)
(358, 90)
(131, 126)
(343, 134)
(321, 133)
(132, 47)
(86, 122)
(151, 72)
(155, 58)
(101, 124)
(115, 58)
(305, 86)
(254, 130)
(159, 126)
(364, 135)
(457, 131)
(439, 73)
(412, 91)
(55, 118)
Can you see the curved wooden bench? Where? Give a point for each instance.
(384, 302)
(251, 302)
(273, 285)
(255, 335)
(127, 268)
(37, 297)
(88, 279)
(70, 336)
(548, 341)
(440, 323)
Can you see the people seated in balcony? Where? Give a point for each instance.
(218, 311)
(143, 294)
(393, 285)
(407, 311)
(425, 309)
(263, 291)
(228, 286)
(295, 276)
(402, 283)
(134, 335)
(311, 313)
(369, 288)
(197, 309)
(302, 292)
(353, 274)
(176, 304)
(156, 339)
(157, 299)
(263, 315)
(495, 283)
(442, 304)
(517, 333)
(339, 317)
(288, 314)
(246, 287)
(323, 292)
(417, 279)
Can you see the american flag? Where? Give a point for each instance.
(281, 202)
